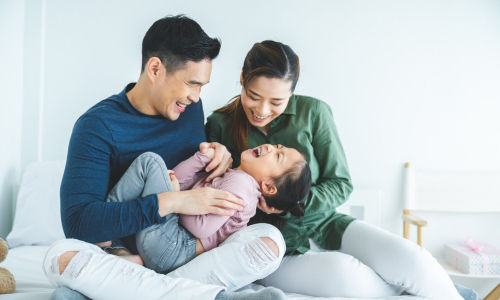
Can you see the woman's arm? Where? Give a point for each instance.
(334, 185)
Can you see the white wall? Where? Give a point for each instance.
(11, 87)
(407, 80)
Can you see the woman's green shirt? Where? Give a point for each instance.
(306, 125)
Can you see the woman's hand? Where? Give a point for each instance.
(221, 159)
(262, 205)
(199, 201)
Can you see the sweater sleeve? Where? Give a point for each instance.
(84, 212)
(333, 186)
(204, 226)
(191, 170)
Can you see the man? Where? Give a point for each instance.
(161, 113)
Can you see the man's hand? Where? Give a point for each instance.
(221, 160)
(199, 201)
(262, 205)
(175, 183)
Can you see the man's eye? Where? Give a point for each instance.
(276, 104)
(254, 99)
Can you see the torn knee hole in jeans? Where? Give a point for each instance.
(74, 267)
(260, 256)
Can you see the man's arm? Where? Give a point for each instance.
(84, 212)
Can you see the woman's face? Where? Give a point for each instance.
(264, 99)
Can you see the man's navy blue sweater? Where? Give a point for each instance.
(104, 142)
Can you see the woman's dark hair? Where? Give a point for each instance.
(269, 59)
(176, 40)
(292, 190)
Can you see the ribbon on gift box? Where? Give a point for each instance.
(483, 250)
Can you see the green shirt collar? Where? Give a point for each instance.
(291, 106)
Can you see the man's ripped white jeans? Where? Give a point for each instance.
(247, 255)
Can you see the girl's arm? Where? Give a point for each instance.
(243, 187)
(192, 169)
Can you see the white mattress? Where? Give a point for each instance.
(26, 265)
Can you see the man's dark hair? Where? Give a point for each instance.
(176, 40)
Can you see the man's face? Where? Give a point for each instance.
(173, 91)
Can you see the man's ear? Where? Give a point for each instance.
(268, 187)
(241, 78)
(153, 67)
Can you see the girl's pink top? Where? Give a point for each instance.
(214, 229)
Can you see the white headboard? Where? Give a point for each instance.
(451, 190)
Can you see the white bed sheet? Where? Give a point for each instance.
(26, 264)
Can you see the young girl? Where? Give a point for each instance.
(279, 174)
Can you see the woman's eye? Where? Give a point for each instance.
(254, 99)
(276, 104)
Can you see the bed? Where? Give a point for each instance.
(37, 224)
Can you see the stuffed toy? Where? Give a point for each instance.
(7, 281)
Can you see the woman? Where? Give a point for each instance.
(382, 263)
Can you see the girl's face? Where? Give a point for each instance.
(267, 162)
(264, 99)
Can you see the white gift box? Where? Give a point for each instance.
(476, 260)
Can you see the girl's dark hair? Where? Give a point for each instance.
(176, 40)
(292, 190)
(269, 59)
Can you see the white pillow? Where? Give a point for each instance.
(37, 220)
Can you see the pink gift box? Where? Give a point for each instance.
(473, 258)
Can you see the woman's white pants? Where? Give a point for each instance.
(370, 263)
(240, 260)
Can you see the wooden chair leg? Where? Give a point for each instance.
(494, 294)
(406, 230)
(419, 235)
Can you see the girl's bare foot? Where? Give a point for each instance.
(134, 258)
(125, 254)
(104, 244)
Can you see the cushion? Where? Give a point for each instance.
(37, 220)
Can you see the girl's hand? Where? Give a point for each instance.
(206, 150)
(221, 160)
(175, 183)
(262, 205)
